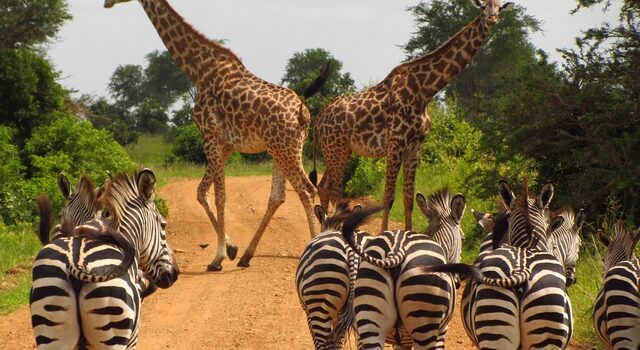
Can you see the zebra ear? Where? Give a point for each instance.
(603, 237)
(546, 194)
(581, 217)
(147, 184)
(506, 193)
(422, 204)
(64, 186)
(556, 223)
(87, 192)
(321, 214)
(458, 204)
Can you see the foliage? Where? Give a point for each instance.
(29, 23)
(188, 144)
(507, 48)
(11, 170)
(162, 205)
(114, 118)
(19, 245)
(29, 93)
(303, 68)
(368, 175)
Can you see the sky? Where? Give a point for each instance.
(366, 35)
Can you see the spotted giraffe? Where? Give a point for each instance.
(390, 119)
(235, 110)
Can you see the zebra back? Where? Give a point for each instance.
(128, 201)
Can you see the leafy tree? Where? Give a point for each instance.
(114, 118)
(11, 170)
(507, 48)
(29, 93)
(126, 85)
(151, 117)
(303, 68)
(28, 23)
(164, 81)
(188, 144)
(182, 115)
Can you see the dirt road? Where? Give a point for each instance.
(254, 308)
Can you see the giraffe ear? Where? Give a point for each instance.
(64, 186)
(507, 6)
(320, 213)
(478, 3)
(546, 194)
(506, 193)
(147, 184)
(458, 204)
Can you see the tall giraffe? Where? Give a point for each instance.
(235, 110)
(390, 119)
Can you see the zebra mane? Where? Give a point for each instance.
(567, 213)
(439, 204)
(119, 190)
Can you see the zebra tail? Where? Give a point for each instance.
(517, 278)
(345, 324)
(109, 236)
(46, 211)
(358, 218)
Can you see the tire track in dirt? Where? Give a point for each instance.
(254, 308)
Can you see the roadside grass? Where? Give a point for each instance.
(19, 245)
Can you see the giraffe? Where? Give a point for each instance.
(235, 110)
(390, 119)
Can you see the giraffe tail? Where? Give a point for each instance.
(313, 175)
(318, 84)
(45, 209)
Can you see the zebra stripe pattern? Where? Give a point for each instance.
(564, 240)
(402, 305)
(520, 301)
(70, 313)
(325, 280)
(616, 314)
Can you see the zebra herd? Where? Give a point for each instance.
(109, 251)
(399, 287)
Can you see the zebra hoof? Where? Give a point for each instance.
(244, 262)
(232, 251)
(214, 267)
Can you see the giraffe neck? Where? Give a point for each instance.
(430, 73)
(200, 58)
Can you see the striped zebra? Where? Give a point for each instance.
(564, 239)
(395, 302)
(325, 279)
(76, 300)
(616, 313)
(82, 205)
(520, 299)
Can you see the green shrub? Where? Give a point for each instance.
(368, 174)
(188, 144)
(162, 205)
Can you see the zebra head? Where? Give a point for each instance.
(444, 214)
(82, 204)
(564, 240)
(128, 199)
(334, 222)
(620, 248)
(528, 216)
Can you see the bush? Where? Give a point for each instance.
(368, 175)
(188, 144)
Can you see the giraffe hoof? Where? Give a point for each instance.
(244, 262)
(214, 267)
(232, 251)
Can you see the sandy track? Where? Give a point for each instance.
(254, 308)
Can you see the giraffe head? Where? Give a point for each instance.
(490, 9)
(109, 3)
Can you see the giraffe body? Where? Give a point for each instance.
(390, 119)
(235, 110)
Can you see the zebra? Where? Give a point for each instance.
(76, 300)
(520, 299)
(395, 302)
(325, 279)
(564, 239)
(616, 313)
(82, 205)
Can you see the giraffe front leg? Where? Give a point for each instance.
(217, 156)
(394, 160)
(410, 167)
(276, 199)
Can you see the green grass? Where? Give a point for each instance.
(18, 246)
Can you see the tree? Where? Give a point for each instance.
(303, 68)
(114, 118)
(25, 23)
(507, 48)
(29, 93)
(164, 81)
(126, 85)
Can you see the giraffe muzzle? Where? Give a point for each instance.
(109, 3)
